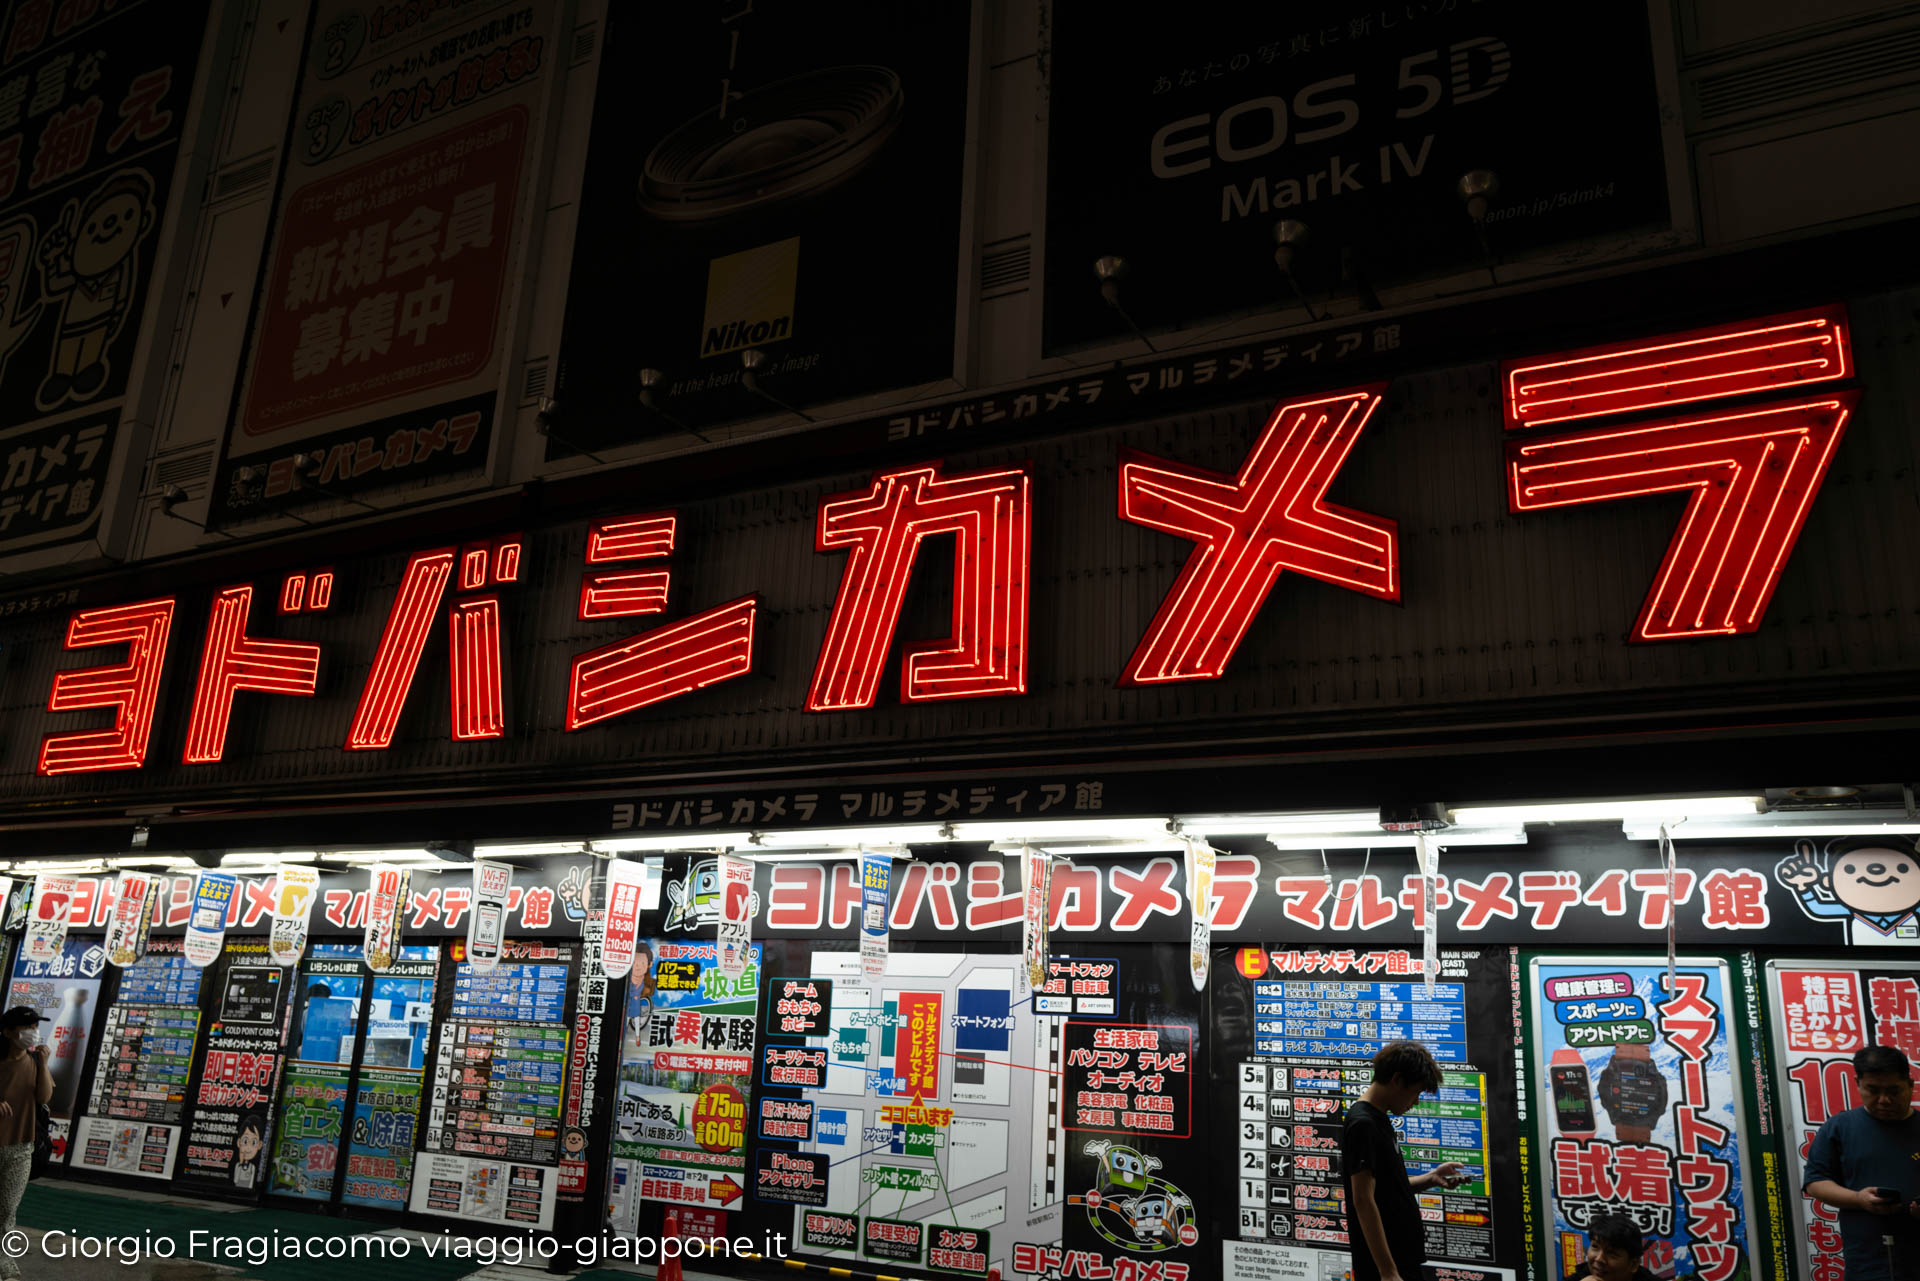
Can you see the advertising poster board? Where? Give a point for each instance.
(876, 903)
(388, 1093)
(293, 891)
(770, 160)
(313, 1105)
(132, 917)
(232, 1119)
(1295, 1034)
(65, 990)
(48, 917)
(138, 1101)
(89, 143)
(1641, 1111)
(932, 1119)
(486, 927)
(491, 1145)
(383, 312)
(1178, 142)
(686, 1079)
(1821, 1012)
(207, 927)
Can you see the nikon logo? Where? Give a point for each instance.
(750, 298)
(744, 333)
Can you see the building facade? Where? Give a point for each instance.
(867, 536)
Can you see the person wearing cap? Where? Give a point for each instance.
(25, 1084)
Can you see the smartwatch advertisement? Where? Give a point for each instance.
(1635, 1089)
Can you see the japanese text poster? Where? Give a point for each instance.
(1639, 1108)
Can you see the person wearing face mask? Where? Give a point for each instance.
(1614, 1247)
(25, 1084)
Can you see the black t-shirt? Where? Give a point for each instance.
(1369, 1143)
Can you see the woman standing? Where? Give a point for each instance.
(25, 1084)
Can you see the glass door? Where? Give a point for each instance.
(357, 1036)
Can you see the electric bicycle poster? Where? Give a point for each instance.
(1639, 1111)
(686, 1077)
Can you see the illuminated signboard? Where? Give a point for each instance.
(1741, 418)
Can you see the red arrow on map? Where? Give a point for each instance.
(724, 1189)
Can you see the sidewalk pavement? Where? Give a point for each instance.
(151, 1234)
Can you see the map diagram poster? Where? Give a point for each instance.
(931, 1119)
(1641, 1110)
(1295, 1032)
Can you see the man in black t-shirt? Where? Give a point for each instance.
(1389, 1244)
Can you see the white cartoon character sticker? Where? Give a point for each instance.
(1871, 882)
(90, 272)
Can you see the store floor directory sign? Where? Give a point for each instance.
(491, 1146)
(139, 1094)
(1822, 1012)
(1641, 1111)
(1295, 1035)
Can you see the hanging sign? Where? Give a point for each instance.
(293, 892)
(486, 927)
(876, 881)
(1033, 927)
(1429, 856)
(131, 918)
(386, 891)
(626, 881)
(1200, 864)
(207, 927)
(736, 914)
(47, 921)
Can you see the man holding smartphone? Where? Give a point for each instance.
(1865, 1162)
(1391, 1242)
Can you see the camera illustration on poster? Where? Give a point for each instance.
(749, 212)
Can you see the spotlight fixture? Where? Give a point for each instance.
(1478, 187)
(451, 851)
(753, 362)
(304, 462)
(1289, 236)
(171, 496)
(1110, 270)
(650, 382)
(546, 421)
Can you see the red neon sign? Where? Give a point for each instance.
(477, 703)
(130, 688)
(1270, 516)
(990, 514)
(1752, 476)
(666, 662)
(230, 661)
(1774, 354)
(401, 644)
(473, 655)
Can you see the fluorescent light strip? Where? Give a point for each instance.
(1655, 809)
(1773, 826)
(1451, 838)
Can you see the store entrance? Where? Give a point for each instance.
(350, 1100)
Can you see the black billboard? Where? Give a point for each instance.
(1177, 141)
(93, 102)
(759, 178)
